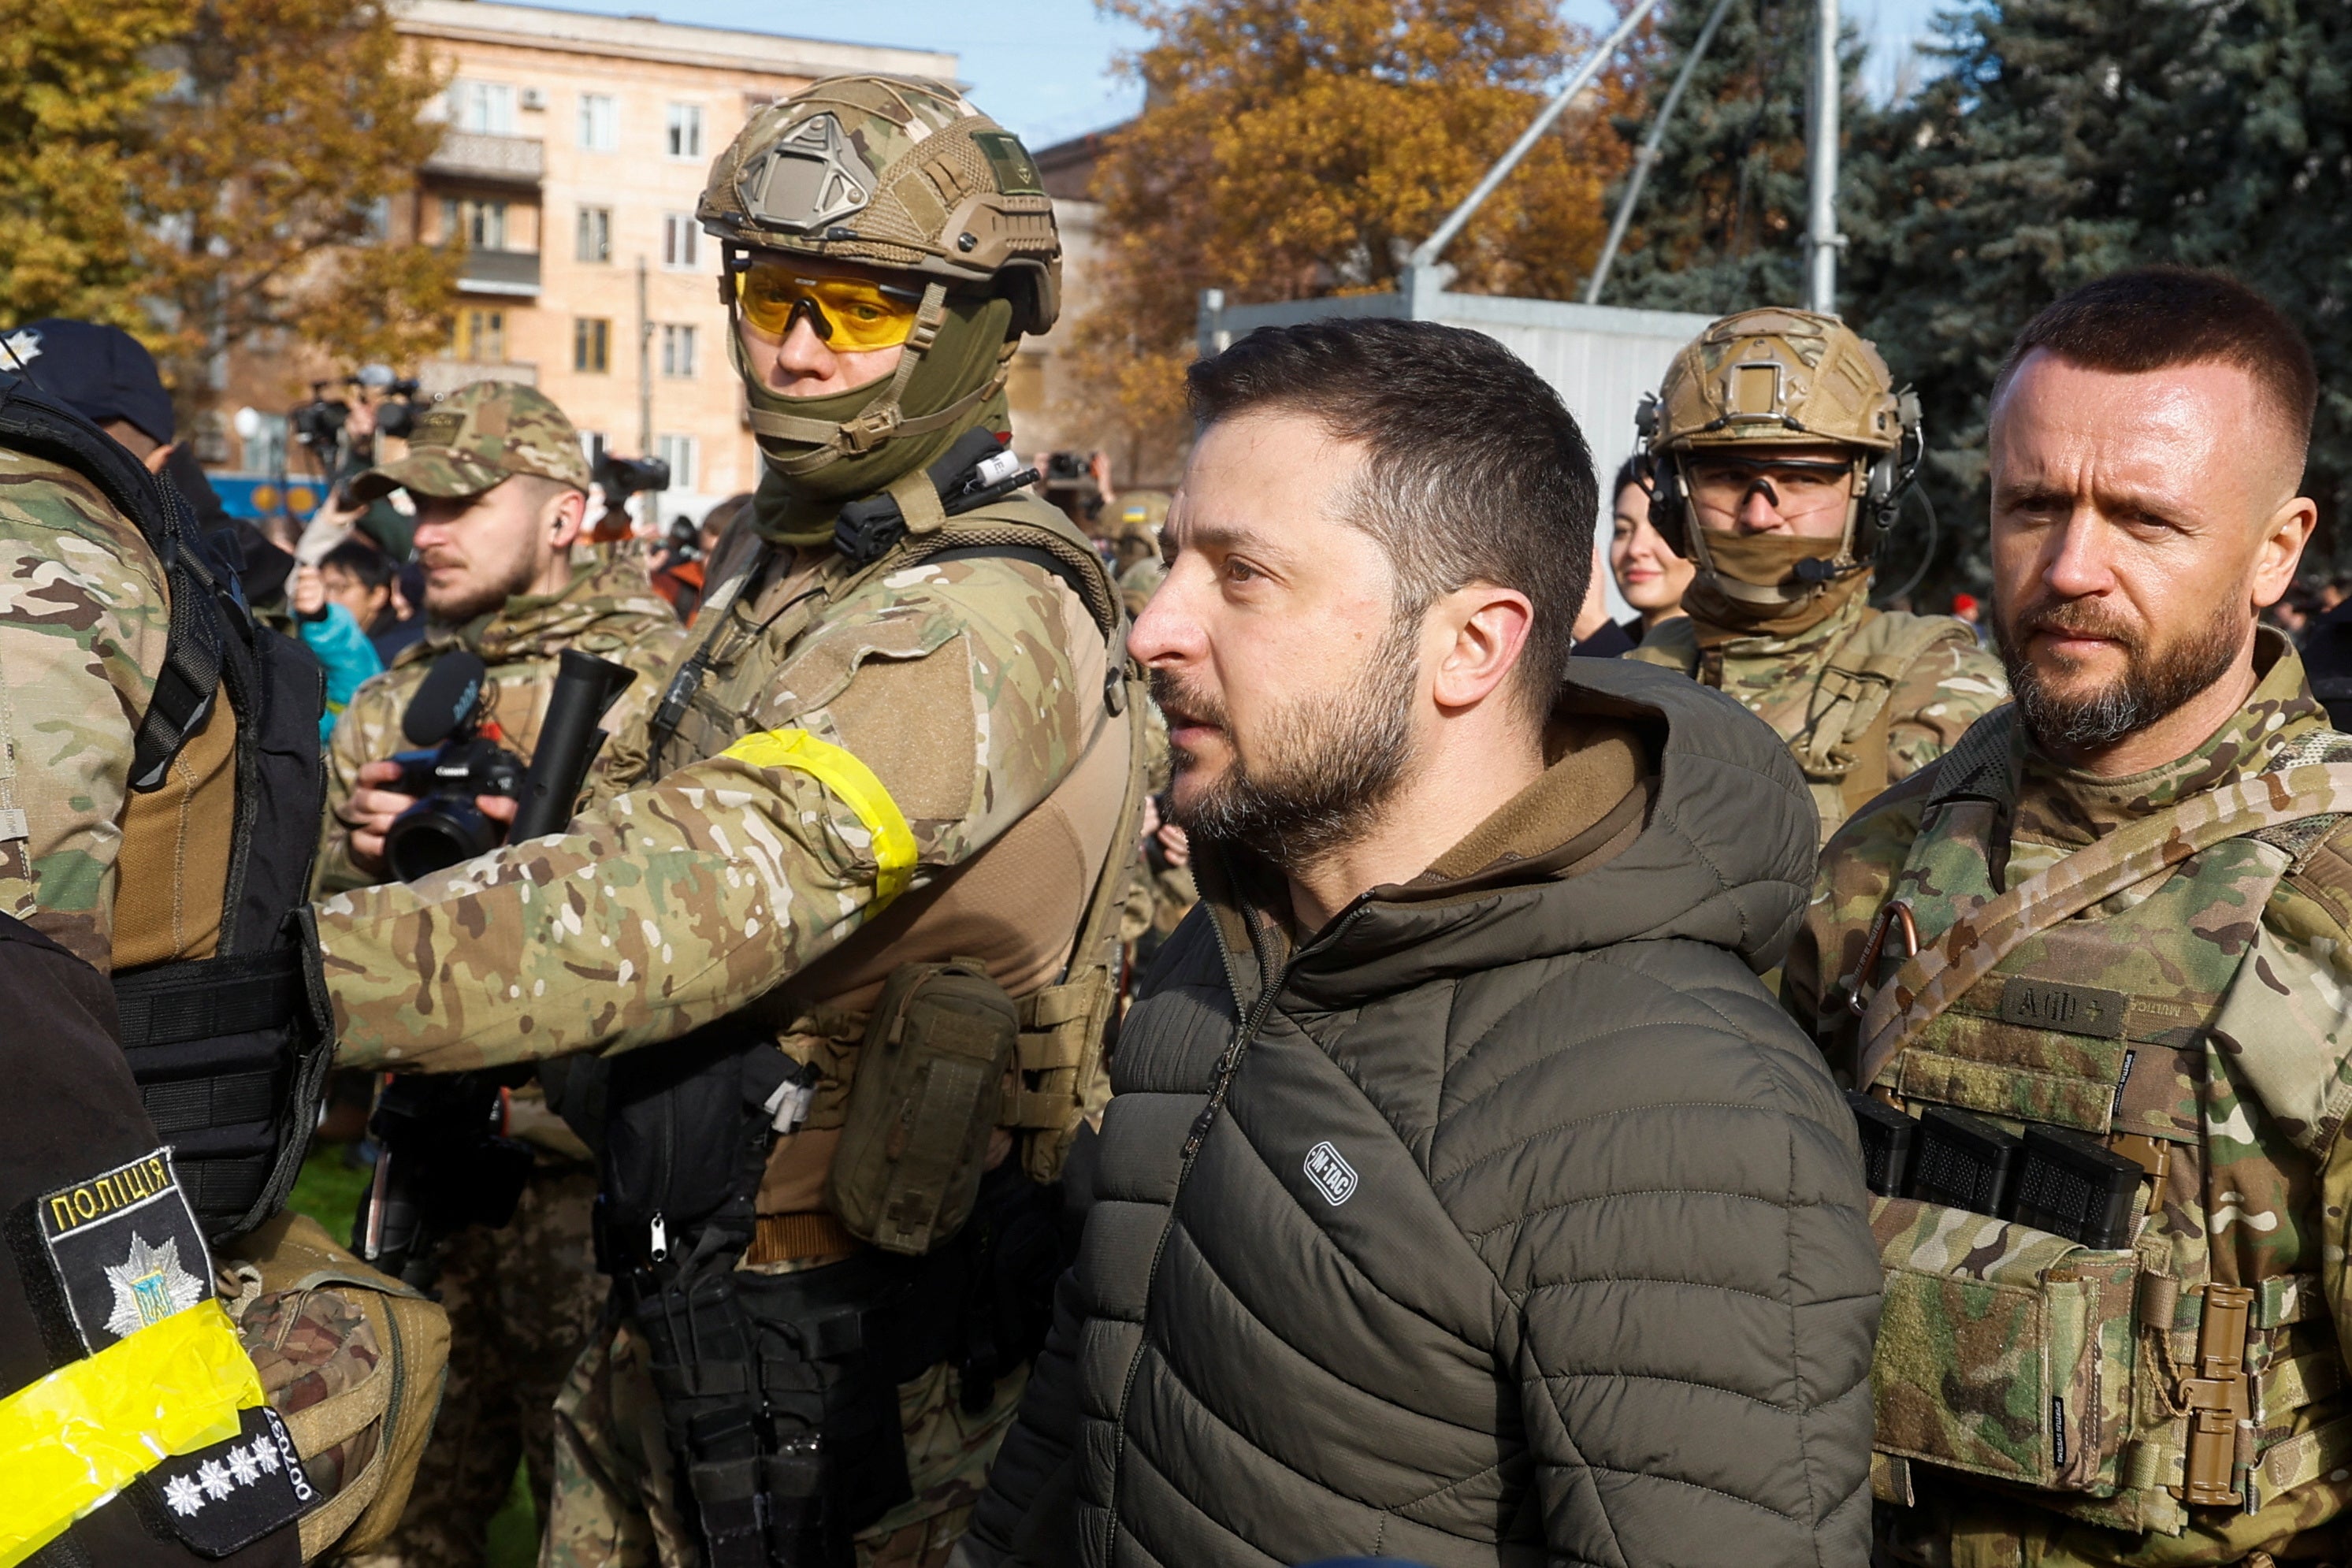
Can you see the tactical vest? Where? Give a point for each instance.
(1837, 723)
(2196, 1365)
(822, 1016)
(230, 1049)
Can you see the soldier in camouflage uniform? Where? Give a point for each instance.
(131, 881)
(522, 1301)
(902, 733)
(2120, 909)
(1780, 453)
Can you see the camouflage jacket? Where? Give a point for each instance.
(83, 622)
(609, 611)
(873, 731)
(1865, 699)
(2195, 1020)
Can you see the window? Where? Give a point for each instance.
(487, 107)
(600, 121)
(596, 238)
(482, 336)
(678, 452)
(677, 351)
(686, 131)
(681, 241)
(482, 224)
(592, 345)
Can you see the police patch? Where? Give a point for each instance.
(126, 1249)
(127, 1254)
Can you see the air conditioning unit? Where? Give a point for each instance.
(533, 98)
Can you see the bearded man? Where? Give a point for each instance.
(2091, 968)
(1461, 1199)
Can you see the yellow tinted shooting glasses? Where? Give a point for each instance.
(854, 314)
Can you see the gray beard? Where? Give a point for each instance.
(2152, 685)
(1325, 765)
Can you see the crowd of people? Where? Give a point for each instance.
(1260, 1026)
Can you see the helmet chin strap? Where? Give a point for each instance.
(880, 420)
(1813, 576)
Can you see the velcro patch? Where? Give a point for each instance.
(126, 1248)
(127, 1253)
(222, 1499)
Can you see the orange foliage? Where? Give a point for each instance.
(1295, 148)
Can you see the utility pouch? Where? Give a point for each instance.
(2003, 1350)
(929, 1090)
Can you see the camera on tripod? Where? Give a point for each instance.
(457, 757)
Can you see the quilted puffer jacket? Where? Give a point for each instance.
(1503, 1220)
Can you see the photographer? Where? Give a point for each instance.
(342, 438)
(500, 486)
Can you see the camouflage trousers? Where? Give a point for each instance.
(522, 1302)
(616, 1506)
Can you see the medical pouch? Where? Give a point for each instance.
(2003, 1350)
(929, 1090)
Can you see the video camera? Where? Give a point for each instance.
(319, 424)
(457, 757)
(620, 477)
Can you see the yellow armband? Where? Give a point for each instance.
(855, 783)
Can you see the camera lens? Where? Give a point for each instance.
(396, 419)
(436, 833)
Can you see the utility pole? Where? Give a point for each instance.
(1823, 146)
(645, 385)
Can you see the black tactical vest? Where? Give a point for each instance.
(230, 1053)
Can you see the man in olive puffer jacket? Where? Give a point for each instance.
(1464, 1196)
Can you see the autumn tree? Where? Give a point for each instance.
(1289, 149)
(75, 85)
(291, 125)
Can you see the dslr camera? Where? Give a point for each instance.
(620, 477)
(457, 757)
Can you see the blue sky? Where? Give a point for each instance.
(1044, 66)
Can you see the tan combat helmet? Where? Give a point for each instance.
(898, 172)
(1783, 378)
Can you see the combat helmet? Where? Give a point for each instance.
(1781, 378)
(897, 172)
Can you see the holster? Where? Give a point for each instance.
(779, 1402)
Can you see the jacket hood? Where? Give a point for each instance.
(1714, 842)
(541, 625)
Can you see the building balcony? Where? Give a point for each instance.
(440, 377)
(483, 160)
(511, 273)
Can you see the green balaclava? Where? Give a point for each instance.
(967, 355)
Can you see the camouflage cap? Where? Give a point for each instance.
(478, 437)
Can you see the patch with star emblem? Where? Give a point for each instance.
(224, 1498)
(127, 1254)
(126, 1248)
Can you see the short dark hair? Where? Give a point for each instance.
(365, 564)
(1475, 472)
(2153, 318)
(1629, 473)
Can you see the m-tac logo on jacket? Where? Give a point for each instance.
(1332, 1176)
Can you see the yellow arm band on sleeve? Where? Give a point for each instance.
(858, 789)
(74, 1439)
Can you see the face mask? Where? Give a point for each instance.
(965, 358)
(1767, 560)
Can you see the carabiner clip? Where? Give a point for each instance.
(1857, 999)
